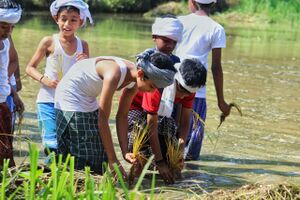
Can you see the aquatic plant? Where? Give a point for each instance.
(140, 136)
(223, 117)
(174, 156)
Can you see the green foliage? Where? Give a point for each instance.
(275, 10)
(60, 182)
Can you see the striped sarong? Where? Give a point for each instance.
(78, 135)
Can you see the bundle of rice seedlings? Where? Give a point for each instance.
(174, 156)
(222, 116)
(140, 136)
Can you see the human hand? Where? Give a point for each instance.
(225, 108)
(164, 171)
(19, 104)
(129, 157)
(49, 82)
(81, 56)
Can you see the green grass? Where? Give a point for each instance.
(63, 182)
(275, 10)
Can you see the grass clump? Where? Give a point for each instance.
(174, 156)
(140, 137)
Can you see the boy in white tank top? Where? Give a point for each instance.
(10, 13)
(61, 50)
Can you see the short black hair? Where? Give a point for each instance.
(193, 72)
(8, 4)
(162, 61)
(68, 8)
(208, 5)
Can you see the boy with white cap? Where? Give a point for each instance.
(10, 14)
(61, 50)
(201, 34)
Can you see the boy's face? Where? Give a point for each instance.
(5, 30)
(68, 22)
(164, 44)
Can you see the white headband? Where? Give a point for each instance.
(181, 81)
(11, 15)
(206, 1)
(82, 7)
(168, 27)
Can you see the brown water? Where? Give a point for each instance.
(261, 73)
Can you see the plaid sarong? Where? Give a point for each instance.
(166, 130)
(78, 135)
(6, 136)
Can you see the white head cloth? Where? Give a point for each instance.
(10, 15)
(82, 7)
(169, 27)
(206, 1)
(178, 77)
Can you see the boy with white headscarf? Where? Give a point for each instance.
(10, 14)
(156, 109)
(201, 34)
(61, 50)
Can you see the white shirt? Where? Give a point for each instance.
(201, 34)
(4, 61)
(79, 88)
(57, 65)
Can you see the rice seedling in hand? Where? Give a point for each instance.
(140, 136)
(232, 104)
(175, 154)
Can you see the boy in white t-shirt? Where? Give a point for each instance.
(201, 34)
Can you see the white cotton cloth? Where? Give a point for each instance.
(82, 6)
(168, 27)
(167, 100)
(206, 1)
(200, 35)
(4, 60)
(179, 78)
(11, 15)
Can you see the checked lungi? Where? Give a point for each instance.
(78, 135)
(166, 130)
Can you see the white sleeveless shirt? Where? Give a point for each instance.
(4, 61)
(57, 65)
(78, 89)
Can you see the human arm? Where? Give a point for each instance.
(85, 51)
(122, 123)
(110, 82)
(44, 49)
(218, 80)
(155, 146)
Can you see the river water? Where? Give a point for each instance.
(261, 73)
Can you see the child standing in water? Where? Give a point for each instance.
(201, 34)
(61, 50)
(83, 122)
(10, 14)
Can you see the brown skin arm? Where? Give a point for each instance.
(13, 67)
(110, 82)
(122, 123)
(184, 125)
(155, 146)
(218, 80)
(44, 49)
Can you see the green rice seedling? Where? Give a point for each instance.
(140, 136)
(197, 119)
(174, 156)
(223, 117)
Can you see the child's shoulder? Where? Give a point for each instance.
(47, 40)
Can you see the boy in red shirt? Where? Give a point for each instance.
(156, 108)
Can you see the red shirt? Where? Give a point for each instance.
(150, 101)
